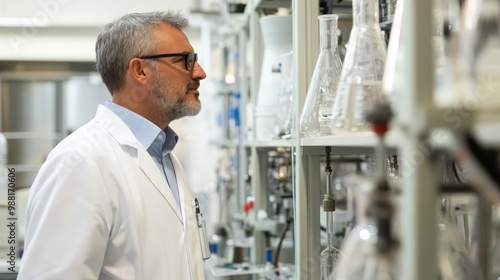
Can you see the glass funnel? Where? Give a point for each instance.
(316, 116)
(360, 84)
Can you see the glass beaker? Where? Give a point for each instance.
(360, 83)
(316, 116)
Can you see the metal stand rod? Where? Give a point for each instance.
(484, 237)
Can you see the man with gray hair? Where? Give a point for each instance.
(111, 200)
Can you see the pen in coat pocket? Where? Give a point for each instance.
(202, 230)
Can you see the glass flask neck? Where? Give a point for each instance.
(328, 32)
(365, 12)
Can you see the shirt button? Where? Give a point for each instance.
(160, 136)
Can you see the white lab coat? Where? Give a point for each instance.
(101, 209)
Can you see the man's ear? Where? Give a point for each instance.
(139, 70)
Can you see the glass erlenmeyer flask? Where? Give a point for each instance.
(316, 116)
(360, 84)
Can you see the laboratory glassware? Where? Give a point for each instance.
(277, 38)
(284, 111)
(360, 84)
(371, 249)
(393, 63)
(387, 9)
(330, 255)
(393, 173)
(370, 252)
(315, 119)
(453, 259)
(475, 61)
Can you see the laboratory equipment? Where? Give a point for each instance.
(443, 14)
(475, 61)
(387, 9)
(284, 114)
(360, 85)
(277, 37)
(371, 248)
(482, 52)
(393, 62)
(316, 116)
(330, 255)
(393, 173)
(453, 259)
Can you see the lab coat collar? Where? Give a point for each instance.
(122, 134)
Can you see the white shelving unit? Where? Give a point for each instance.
(258, 150)
(416, 123)
(306, 198)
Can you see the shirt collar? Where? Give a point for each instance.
(144, 130)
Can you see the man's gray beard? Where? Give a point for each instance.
(169, 105)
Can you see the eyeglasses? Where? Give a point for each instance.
(189, 58)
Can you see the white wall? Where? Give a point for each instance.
(82, 12)
(61, 30)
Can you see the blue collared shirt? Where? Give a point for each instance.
(157, 142)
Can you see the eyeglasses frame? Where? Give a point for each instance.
(185, 55)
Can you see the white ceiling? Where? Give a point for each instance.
(90, 12)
